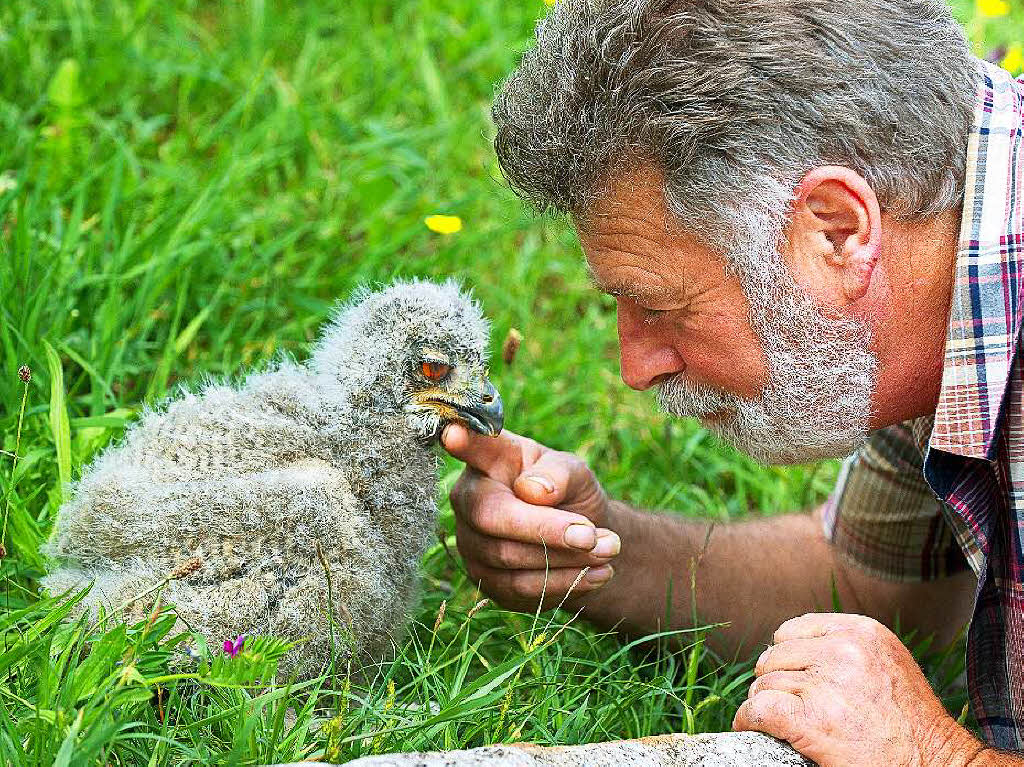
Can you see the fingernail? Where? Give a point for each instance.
(543, 481)
(580, 537)
(598, 575)
(608, 544)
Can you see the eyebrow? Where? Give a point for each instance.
(628, 289)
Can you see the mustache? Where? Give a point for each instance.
(684, 398)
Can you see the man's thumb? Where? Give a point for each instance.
(500, 458)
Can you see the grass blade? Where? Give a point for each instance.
(60, 426)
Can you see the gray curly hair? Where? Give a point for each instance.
(735, 100)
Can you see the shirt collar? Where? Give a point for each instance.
(985, 311)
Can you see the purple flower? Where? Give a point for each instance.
(233, 648)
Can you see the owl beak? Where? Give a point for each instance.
(488, 415)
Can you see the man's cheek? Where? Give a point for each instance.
(720, 352)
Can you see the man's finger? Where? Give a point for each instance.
(512, 555)
(501, 458)
(773, 712)
(560, 479)
(784, 681)
(530, 585)
(496, 512)
(814, 625)
(794, 655)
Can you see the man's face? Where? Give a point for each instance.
(798, 389)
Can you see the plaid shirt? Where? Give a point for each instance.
(934, 496)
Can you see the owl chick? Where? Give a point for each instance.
(250, 481)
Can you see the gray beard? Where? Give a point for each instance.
(821, 376)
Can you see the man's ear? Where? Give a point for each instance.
(835, 234)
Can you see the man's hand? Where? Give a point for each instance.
(845, 692)
(528, 519)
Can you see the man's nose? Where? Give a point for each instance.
(645, 357)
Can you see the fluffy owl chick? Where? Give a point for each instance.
(250, 480)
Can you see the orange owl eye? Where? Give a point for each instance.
(435, 371)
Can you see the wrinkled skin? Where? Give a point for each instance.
(843, 690)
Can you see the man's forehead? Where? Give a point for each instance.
(624, 236)
(630, 214)
(631, 199)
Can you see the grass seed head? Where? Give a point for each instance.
(511, 346)
(25, 373)
(478, 607)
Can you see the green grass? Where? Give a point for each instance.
(185, 188)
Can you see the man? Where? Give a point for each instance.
(810, 214)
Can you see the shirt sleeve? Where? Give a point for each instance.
(883, 517)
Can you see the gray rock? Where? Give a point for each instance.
(726, 749)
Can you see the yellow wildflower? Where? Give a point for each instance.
(992, 8)
(550, 3)
(443, 224)
(1013, 61)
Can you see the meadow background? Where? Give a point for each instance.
(186, 187)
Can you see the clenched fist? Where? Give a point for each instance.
(528, 519)
(845, 692)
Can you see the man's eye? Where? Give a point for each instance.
(435, 371)
(650, 315)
